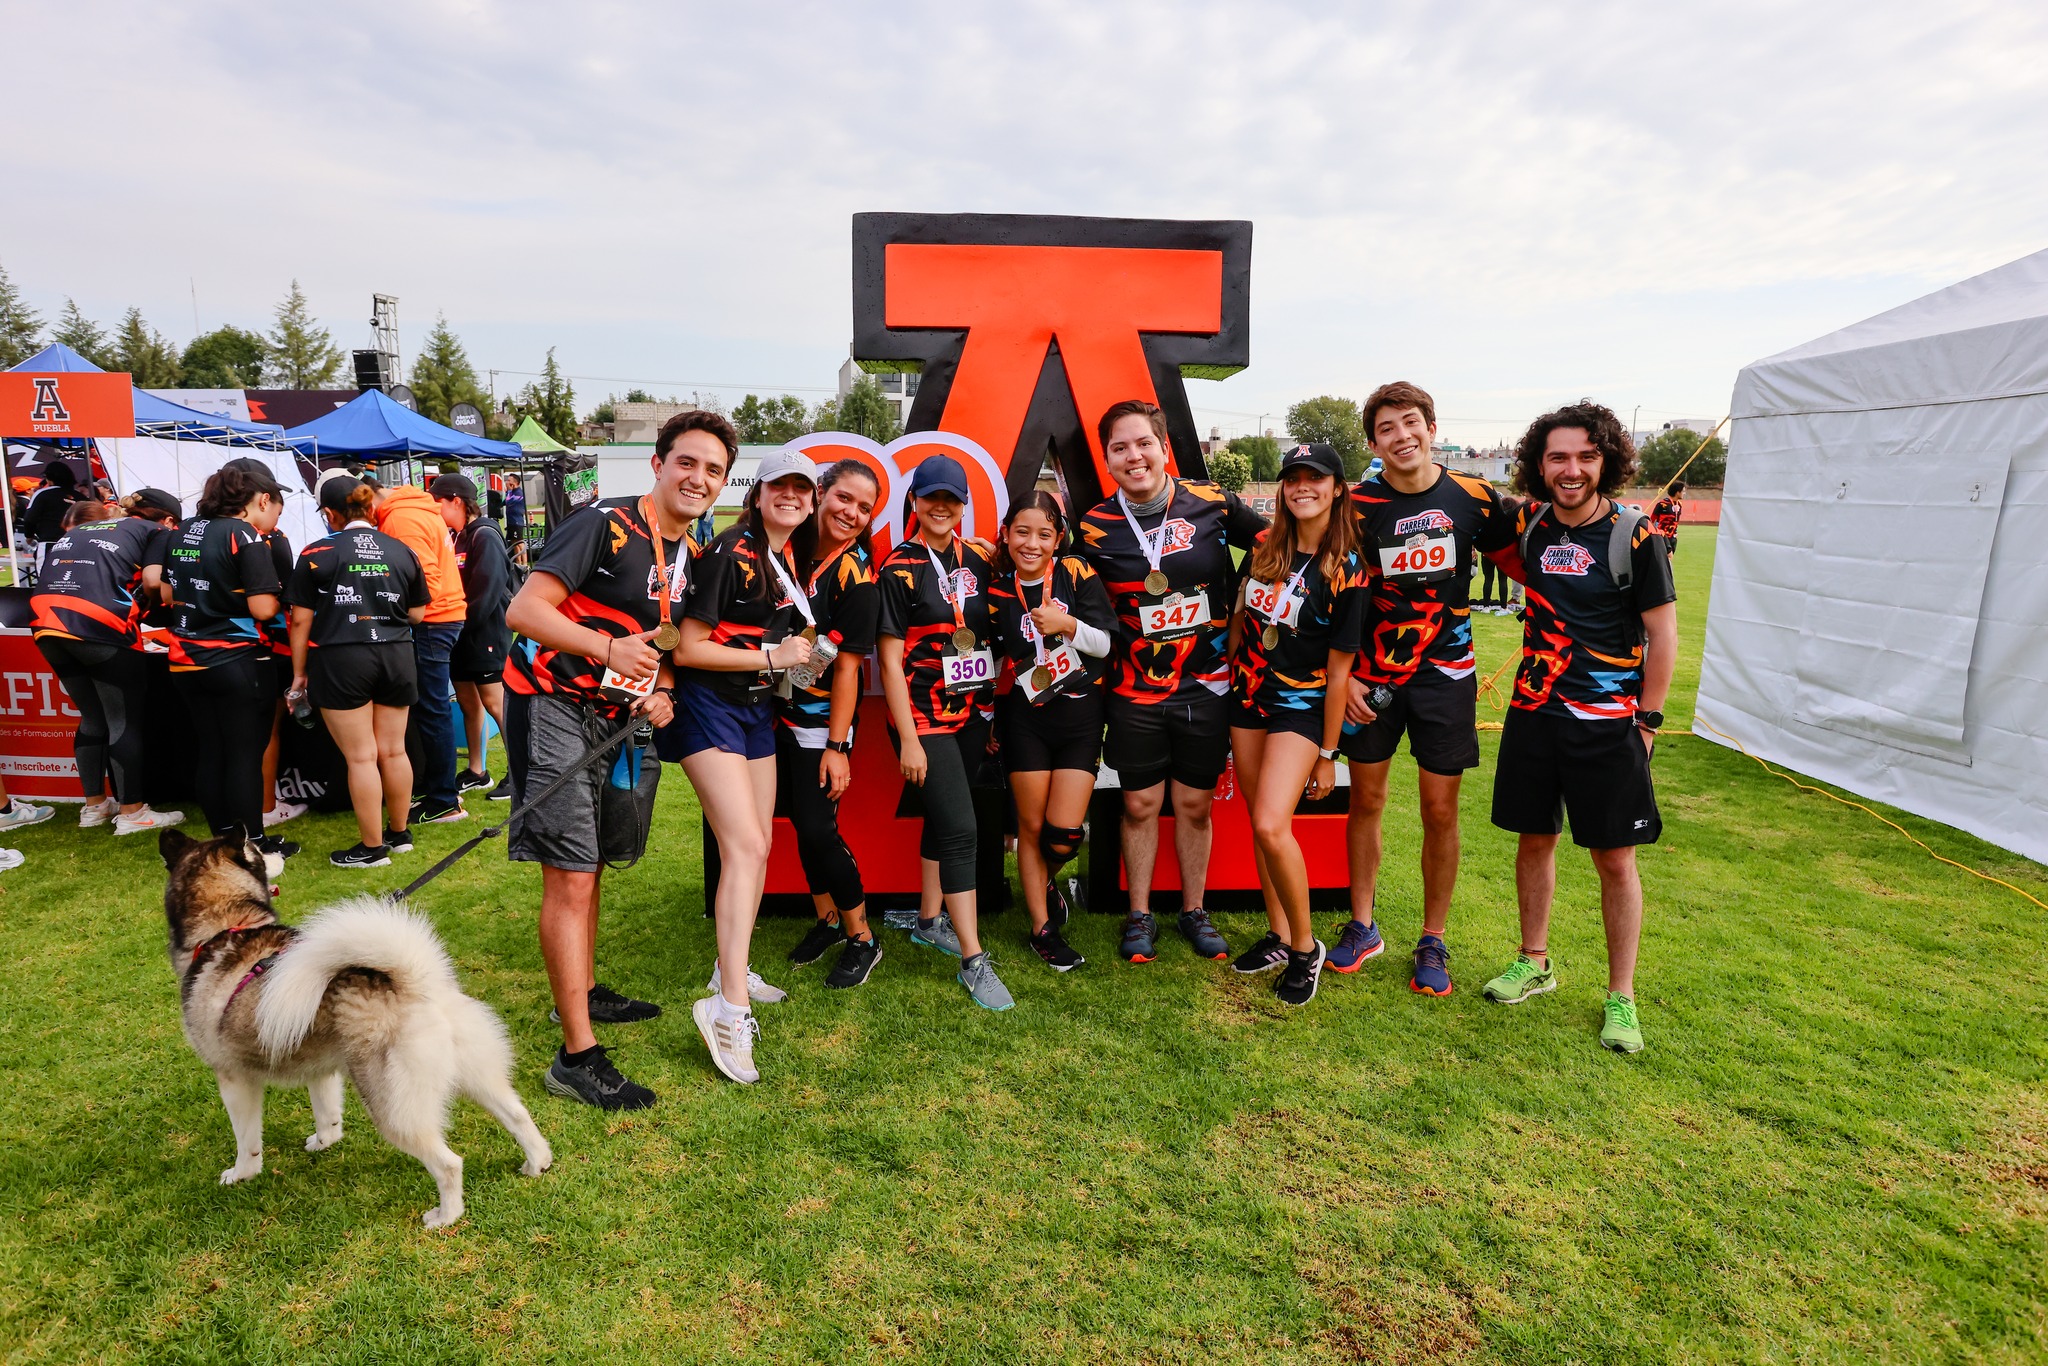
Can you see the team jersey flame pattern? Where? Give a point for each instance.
(1293, 674)
(1075, 589)
(1418, 550)
(737, 593)
(1582, 634)
(847, 602)
(915, 611)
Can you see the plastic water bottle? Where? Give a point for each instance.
(302, 708)
(823, 652)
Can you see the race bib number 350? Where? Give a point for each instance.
(1419, 556)
(967, 672)
(1174, 616)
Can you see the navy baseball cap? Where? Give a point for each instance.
(1319, 456)
(939, 474)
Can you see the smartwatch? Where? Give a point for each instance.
(1652, 721)
(842, 746)
(1329, 754)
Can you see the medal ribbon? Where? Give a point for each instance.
(959, 605)
(1038, 650)
(789, 586)
(1287, 592)
(660, 551)
(1152, 545)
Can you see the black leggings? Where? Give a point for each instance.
(1488, 571)
(106, 684)
(828, 864)
(231, 707)
(951, 762)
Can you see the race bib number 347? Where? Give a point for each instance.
(1174, 616)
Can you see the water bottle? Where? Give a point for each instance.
(823, 652)
(1379, 697)
(302, 707)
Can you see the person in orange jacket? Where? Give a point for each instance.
(408, 514)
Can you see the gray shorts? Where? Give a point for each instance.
(587, 824)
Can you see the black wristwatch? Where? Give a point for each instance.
(842, 746)
(1652, 721)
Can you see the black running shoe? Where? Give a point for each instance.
(1057, 910)
(422, 814)
(1297, 985)
(278, 845)
(361, 856)
(856, 961)
(608, 1007)
(1057, 953)
(398, 841)
(1139, 933)
(470, 781)
(817, 942)
(1264, 956)
(595, 1082)
(1200, 931)
(503, 791)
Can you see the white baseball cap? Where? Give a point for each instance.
(784, 463)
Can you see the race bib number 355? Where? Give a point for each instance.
(967, 672)
(1174, 616)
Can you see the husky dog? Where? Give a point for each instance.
(363, 988)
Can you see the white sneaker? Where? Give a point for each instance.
(97, 813)
(757, 990)
(729, 1037)
(146, 819)
(25, 813)
(282, 812)
(11, 858)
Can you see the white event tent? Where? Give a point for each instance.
(1880, 601)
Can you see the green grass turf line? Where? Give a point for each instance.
(1834, 1149)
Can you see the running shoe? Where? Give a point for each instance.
(361, 856)
(1297, 985)
(608, 1007)
(1264, 956)
(1057, 953)
(978, 975)
(757, 990)
(146, 819)
(1356, 942)
(1198, 930)
(282, 812)
(729, 1037)
(856, 961)
(97, 813)
(594, 1081)
(19, 813)
(276, 844)
(1524, 978)
(1140, 930)
(398, 841)
(422, 814)
(937, 934)
(1057, 911)
(1623, 1032)
(471, 780)
(503, 791)
(817, 942)
(1432, 976)
(11, 858)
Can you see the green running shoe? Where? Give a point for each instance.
(1523, 979)
(1621, 1032)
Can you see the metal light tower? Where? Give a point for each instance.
(384, 322)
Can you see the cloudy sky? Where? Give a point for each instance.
(1510, 203)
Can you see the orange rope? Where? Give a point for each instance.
(1808, 787)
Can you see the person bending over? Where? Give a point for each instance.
(477, 664)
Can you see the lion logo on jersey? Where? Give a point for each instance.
(1566, 557)
(1434, 520)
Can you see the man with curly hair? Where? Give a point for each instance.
(1599, 638)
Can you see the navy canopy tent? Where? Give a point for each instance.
(374, 425)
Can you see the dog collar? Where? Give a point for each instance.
(207, 946)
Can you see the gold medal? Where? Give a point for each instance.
(1270, 636)
(667, 637)
(963, 639)
(1155, 582)
(1041, 678)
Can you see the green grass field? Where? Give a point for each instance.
(1834, 1149)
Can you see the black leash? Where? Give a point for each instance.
(597, 750)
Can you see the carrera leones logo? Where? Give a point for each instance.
(965, 585)
(48, 407)
(1177, 535)
(1432, 520)
(1566, 557)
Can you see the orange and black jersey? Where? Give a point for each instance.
(1293, 674)
(358, 583)
(277, 632)
(1582, 651)
(1417, 550)
(1666, 516)
(847, 603)
(91, 587)
(603, 555)
(1196, 532)
(1075, 589)
(213, 566)
(915, 611)
(737, 593)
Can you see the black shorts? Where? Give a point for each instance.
(1187, 741)
(1440, 717)
(1596, 772)
(1065, 731)
(1304, 721)
(479, 656)
(344, 677)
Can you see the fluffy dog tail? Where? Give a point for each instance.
(362, 932)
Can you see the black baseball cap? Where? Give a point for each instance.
(335, 489)
(265, 477)
(1316, 456)
(453, 486)
(157, 498)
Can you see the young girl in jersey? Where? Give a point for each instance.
(1054, 623)
(743, 625)
(1300, 619)
(938, 671)
(814, 743)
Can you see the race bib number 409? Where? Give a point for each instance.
(1419, 556)
(967, 672)
(1174, 616)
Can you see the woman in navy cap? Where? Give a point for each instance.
(936, 640)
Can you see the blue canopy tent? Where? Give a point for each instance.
(376, 426)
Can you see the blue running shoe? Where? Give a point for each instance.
(1354, 945)
(1432, 973)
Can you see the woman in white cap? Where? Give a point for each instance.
(742, 627)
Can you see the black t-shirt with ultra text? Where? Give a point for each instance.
(915, 610)
(213, 566)
(91, 584)
(1325, 613)
(1582, 640)
(737, 592)
(358, 584)
(847, 603)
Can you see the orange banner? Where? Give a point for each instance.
(70, 403)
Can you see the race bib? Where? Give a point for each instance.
(1262, 600)
(968, 672)
(1419, 556)
(1173, 616)
(1061, 664)
(628, 688)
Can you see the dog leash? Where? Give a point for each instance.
(597, 750)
